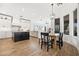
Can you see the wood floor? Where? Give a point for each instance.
(32, 48)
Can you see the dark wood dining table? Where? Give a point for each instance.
(54, 36)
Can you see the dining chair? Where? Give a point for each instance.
(42, 39)
(59, 42)
(46, 41)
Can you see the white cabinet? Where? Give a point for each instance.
(5, 25)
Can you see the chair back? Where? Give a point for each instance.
(44, 36)
(60, 36)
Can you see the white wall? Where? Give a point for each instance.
(61, 11)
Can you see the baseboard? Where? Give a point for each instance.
(33, 36)
(6, 38)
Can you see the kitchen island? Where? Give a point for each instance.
(19, 36)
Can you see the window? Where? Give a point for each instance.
(75, 22)
(57, 25)
(66, 24)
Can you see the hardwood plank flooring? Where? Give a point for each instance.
(32, 48)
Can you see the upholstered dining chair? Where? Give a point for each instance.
(59, 42)
(46, 41)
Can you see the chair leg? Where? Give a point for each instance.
(62, 44)
(39, 41)
(41, 44)
(47, 47)
(52, 43)
(59, 46)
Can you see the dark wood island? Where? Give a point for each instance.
(19, 36)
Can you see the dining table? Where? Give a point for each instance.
(54, 36)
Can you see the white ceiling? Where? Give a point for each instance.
(32, 11)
